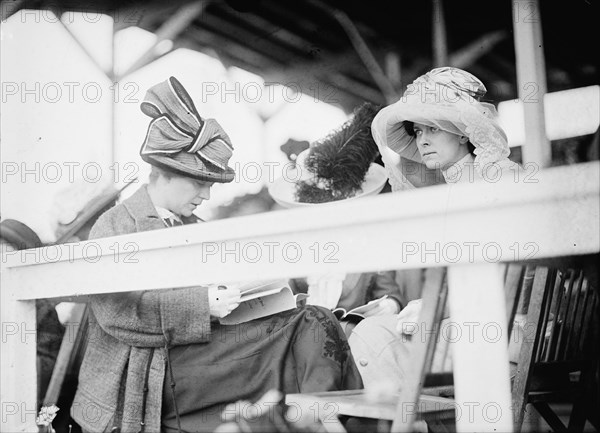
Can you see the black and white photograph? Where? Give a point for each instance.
(310, 216)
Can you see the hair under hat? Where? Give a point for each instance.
(180, 140)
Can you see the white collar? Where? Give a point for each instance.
(462, 171)
(167, 214)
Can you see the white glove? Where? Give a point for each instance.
(325, 290)
(222, 300)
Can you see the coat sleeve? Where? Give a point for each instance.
(385, 283)
(149, 318)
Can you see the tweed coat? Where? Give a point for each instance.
(128, 333)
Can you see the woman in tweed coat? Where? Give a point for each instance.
(139, 341)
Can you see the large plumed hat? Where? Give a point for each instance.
(449, 99)
(180, 140)
(337, 167)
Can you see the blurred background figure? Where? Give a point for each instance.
(62, 323)
(340, 166)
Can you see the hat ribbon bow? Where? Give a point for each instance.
(211, 143)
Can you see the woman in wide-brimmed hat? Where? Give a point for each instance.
(440, 122)
(438, 132)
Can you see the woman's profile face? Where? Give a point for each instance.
(438, 148)
(185, 194)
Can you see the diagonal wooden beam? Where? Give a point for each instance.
(275, 30)
(257, 39)
(360, 46)
(327, 86)
(177, 23)
(366, 56)
(531, 79)
(467, 55)
(318, 79)
(9, 8)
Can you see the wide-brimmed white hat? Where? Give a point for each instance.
(446, 98)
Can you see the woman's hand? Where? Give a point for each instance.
(222, 300)
(408, 319)
(385, 306)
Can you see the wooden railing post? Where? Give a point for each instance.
(479, 349)
(18, 361)
(531, 78)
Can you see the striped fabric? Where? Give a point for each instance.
(177, 129)
(172, 222)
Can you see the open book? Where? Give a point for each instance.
(357, 314)
(263, 298)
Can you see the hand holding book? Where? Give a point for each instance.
(260, 299)
(381, 306)
(377, 307)
(222, 300)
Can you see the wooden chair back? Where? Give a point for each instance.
(558, 361)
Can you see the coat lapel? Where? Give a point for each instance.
(142, 211)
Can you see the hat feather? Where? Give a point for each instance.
(340, 161)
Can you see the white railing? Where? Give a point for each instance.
(471, 228)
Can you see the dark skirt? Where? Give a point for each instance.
(301, 350)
